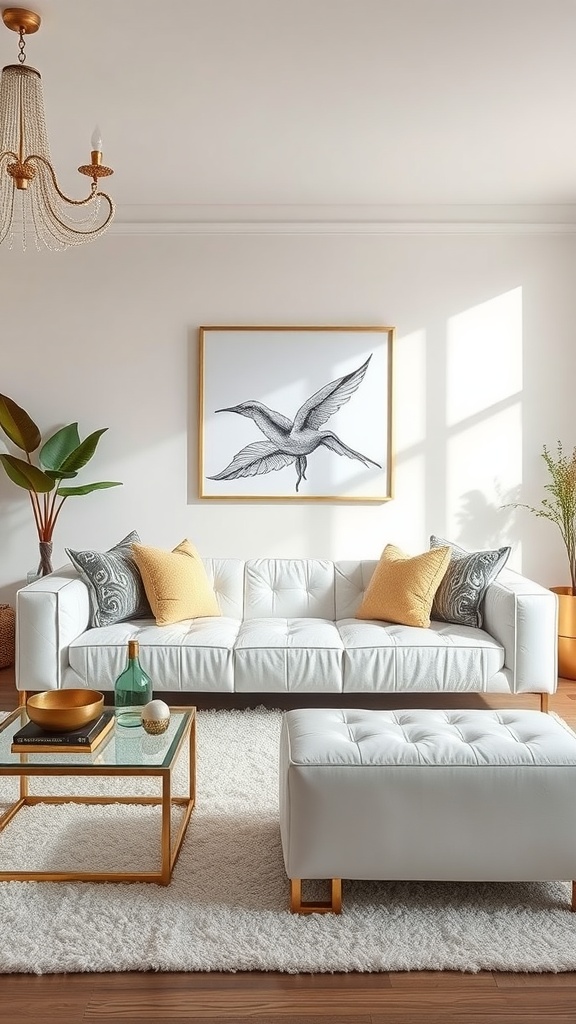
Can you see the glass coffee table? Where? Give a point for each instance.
(123, 753)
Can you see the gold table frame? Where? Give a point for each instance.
(168, 853)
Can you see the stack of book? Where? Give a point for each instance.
(32, 739)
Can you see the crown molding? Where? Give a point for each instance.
(288, 219)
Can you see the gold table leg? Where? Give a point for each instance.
(165, 834)
(331, 906)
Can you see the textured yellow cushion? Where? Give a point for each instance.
(175, 582)
(402, 588)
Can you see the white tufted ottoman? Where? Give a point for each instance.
(452, 795)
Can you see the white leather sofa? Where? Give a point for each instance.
(288, 625)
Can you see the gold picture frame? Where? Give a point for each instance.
(295, 413)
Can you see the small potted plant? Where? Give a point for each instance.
(560, 508)
(60, 458)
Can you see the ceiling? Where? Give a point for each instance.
(209, 105)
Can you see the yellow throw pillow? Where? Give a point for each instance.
(175, 582)
(402, 588)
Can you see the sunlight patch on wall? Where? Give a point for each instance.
(484, 422)
(484, 356)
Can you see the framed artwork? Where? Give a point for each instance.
(296, 413)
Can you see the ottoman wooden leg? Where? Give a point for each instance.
(573, 907)
(331, 906)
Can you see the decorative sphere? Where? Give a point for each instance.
(155, 717)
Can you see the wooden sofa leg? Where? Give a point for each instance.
(545, 702)
(22, 695)
(331, 906)
(573, 905)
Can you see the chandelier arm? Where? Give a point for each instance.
(74, 202)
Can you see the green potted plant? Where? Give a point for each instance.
(59, 458)
(559, 507)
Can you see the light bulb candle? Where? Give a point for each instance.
(96, 143)
(95, 169)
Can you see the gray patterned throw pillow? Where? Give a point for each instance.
(114, 582)
(468, 576)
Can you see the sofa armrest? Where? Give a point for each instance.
(523, 617)
(50, 613)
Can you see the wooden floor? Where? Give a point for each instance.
(393, 998)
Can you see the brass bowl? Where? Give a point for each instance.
(64, 710)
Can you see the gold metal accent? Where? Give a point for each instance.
(566, 631)
(331, 499)
(22, 698)
(18, 19)
(25, 69)
(169, 846)
(300, 906)
(155, 727)
(133, 648)
(95, 170)
(22, 173)
(63, 710)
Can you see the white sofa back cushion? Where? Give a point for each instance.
(289, 588)
(227, 578)
(350, 582)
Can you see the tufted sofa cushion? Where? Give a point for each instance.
(283, 655)
(289, 587)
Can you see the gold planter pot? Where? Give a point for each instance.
(566, 631)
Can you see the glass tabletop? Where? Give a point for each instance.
(120, 748)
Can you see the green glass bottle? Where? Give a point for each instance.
(132, 690)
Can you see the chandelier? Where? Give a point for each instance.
(30, 197)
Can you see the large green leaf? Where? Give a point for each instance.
(25, 475)
(58, 447)
(58, 474)
(68, 492)
(16, 423)
(84, 452)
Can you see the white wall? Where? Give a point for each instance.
(107, 334)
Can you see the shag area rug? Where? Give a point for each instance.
(227, 905)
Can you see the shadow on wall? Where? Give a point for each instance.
(487, 524)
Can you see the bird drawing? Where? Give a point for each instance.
(292, 441)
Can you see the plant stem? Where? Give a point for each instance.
(35, 510)
(51, 516)
(56, 514)
(36, 506)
